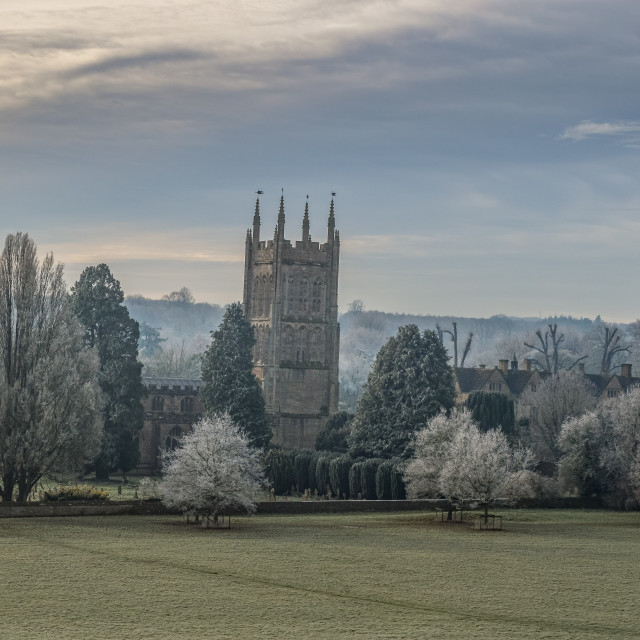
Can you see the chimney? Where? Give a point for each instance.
(625, 370)
(514, 365)
(528, 364)
(503, 365)
(581, 368)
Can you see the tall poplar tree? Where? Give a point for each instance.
(411, 381)
(98, 305)
(229, 385)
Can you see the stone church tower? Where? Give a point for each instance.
(291, 298)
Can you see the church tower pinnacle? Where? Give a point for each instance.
(281, 217)
(305, 224)
(256, 223)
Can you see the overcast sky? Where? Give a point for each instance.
(485, 153)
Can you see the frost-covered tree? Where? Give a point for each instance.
(411, 381)
(582, 441)
(215, 469)
(621, 450)
(49, 396)
(556, 399)
(602, 448)
(431, 451)
(229, 384)
(98, 304)
(453, 458)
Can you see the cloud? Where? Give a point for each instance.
(587, 129)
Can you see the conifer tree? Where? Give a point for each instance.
(98, 305)
(411, 381)
(229, 385)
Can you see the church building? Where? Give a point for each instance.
(291, 299)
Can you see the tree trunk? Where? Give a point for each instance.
(7, 490)
(486, 513)
(450, 511)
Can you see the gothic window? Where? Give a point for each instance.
(264, 294)
(186, 405)
(292, 289)
(256, 297)
(289, 344)
(302, 350)
(316, 345)
(157, 404)
(317, 288)
(172, 441)
(304, 287)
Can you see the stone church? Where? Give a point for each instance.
(291, 299)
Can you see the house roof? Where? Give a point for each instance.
(472, 379)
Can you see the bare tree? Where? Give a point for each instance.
(611, 347)
(548, 347)
(454, 338)
(50, 401)
(556, 399)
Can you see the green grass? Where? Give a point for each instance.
(550, 574)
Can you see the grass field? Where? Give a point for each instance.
(550, 574)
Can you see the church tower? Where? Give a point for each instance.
(291, 298)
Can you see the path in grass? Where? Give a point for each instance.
(550, 575)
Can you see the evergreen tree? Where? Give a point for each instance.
(333, 436)
(410, 382)
(98, 304)
(492, 410)
(229, 384)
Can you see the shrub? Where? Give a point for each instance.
(398, 487)
(150, 489)
(76, 492)
(339, 475)
(383, 480)
(355, 479)
(313, 463)
(368, 478)
(322, 474)
(301, 463)
(279, 470)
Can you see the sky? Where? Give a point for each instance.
(485, 154)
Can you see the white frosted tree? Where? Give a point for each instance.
(455, 459)
(50, 401)
(213, 471)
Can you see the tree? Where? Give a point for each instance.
(453, 333)
(98, 304)
(455, 459)
(214, 470)
(333, 437)
(150, 342)
(175, 361)
(556, 399)
(582, 440)
(410, 382)
(49, 397)
(183, 297)
(551, 358)
(492, 410)
(431, 451)
(229, 384)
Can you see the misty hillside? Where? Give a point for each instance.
(185, 326)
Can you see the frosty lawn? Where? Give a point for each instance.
(551, 574)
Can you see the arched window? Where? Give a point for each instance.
(186, 405)
(256, 296)
(302, 348)
(157, 404)
(317, 345)
(172, 441)
(317, 288)
(304, 288)
(288, 353)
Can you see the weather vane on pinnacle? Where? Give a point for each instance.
(333, 194)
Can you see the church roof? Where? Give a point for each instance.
(171, 383)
